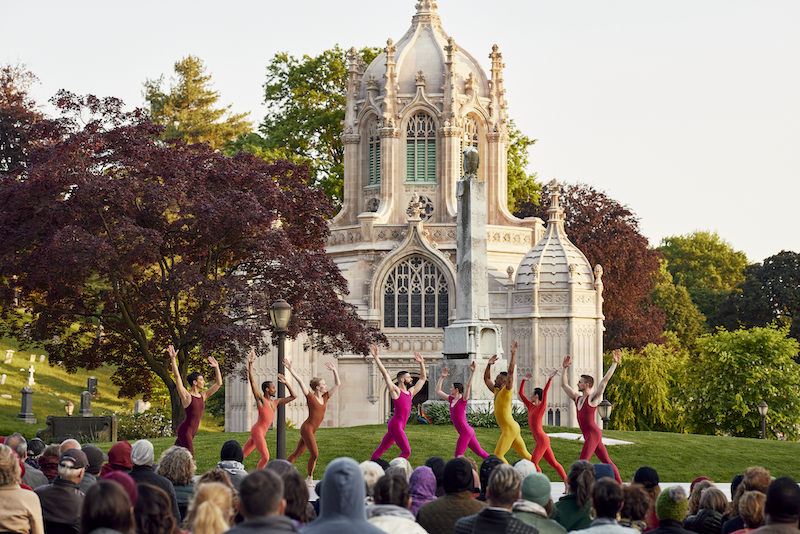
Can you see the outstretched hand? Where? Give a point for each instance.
(493, 360)
(213, 362)
(445, 372)
(567, 361)
(473, 366)
(172, 352)
(553, 373)
(527, 376)
(514, 347)
(287, 363)
(373, 350)
(617, 356)
(330, 366)
(282, 379)
(251, 358)
(418, 357)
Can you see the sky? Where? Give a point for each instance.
(686, 111)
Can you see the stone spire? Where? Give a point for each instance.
(450, 88)
(497, 106)
(390, 89)
(426, 13)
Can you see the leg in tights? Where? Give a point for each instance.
(386, 442)
(551, 459)
(311, 443)
(475, 447)
(462, 443)
(249, 446)
(519, 447)
(602, 454)
(300, 449)
(504, 443)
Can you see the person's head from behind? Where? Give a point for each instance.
(393, 489)
(580, 479)
(177, 465)
(107, 505)
(751, 508)
(18, 442)
(295, 492)
(607, 499)
(52, 451)
(713, 499)
(10, 471)
(372, 472)
(261, 494)
(636, 502)
(211, 509)
(231, 451)
(457, 476)
(694, 498)
(153, 511)
(487, 466)
(783, 502)
(72, 465)
(672, 504)
(504, 486)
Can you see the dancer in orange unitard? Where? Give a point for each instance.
(536, 406)
(266, 411)
(317, 397)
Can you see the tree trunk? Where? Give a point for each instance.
(178, 412)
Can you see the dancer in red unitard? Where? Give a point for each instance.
(457, 400)
(317, 398)
(402, 395)
(266, 411)
(194, 399)
(536, 407)
(586, 401)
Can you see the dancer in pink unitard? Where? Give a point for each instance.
(457, 400)
(536, 406)
(402, 394)
(586, 401)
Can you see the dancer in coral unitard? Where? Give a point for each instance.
(536, 406)
(502, 388)
(317, 398)
(402, 394)
(457, 400)
(266, 411)
(192, 400)
(586, 401)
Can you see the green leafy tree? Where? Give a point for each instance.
(188, 110)
(683, 317)
(707, 266)
(646, 388)
(734, 372)
(522, 187)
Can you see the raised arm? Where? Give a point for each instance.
(553, 373)
(394, 391)
(291, 397)
(186, 398)
(251, 358)
(468, 387)
(487, 376)
(522, 396)
(511, 363)
(597, 394)
(423, 374)
(336, 381)
(303, 386)
(442, 394)
(564, 385)
(217, 377)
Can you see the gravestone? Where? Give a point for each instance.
(91, 387)
(3, 379)
(9, 356)
(90, 429)
(41, 358)
(140, 406)
(31, 381)
(86, 404)
(26, 411)
(33, 358)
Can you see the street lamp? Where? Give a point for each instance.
(605, 412)
(763, 409)
(279, 314)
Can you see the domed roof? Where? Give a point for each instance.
(422, 49)
(554, 256)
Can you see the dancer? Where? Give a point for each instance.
(502, 389)
(317, 398)
(193, 400)
(266, 411)
(536, 406)
(586, 402)
(402, 394)
(457, 400)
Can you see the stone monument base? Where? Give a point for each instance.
(83, 429)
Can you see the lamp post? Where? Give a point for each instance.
(69, 407)
(763, 409)
(280, 313)
(605, 412)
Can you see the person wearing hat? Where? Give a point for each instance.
(96, 457)
(648, 478)
(31, 475)
(231, 457)
(440, 515)
(62, 499)
(501, 493)
(142, 456)
(671, 506)
(535, 506)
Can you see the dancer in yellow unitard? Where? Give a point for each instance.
(503, 391)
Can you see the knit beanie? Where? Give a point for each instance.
(231, 450)
(603, 471)
(126, 481)
(525, 467)
(672, 504)
(95, 457)
(536, 488)
(457, 476)
(142, 453)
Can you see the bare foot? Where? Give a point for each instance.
(310, 482)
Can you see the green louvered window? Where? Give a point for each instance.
(421, 149)
(374, 158)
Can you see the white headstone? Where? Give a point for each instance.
(41, 358)
(6, 396)
(9, 355)
(31, 381)
(33, 358)
(3, 379)
(141, 406)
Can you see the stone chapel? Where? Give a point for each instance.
(410, 115)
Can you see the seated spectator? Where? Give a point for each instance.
(782, 507)
(525, 467)
(142, 456)
(648, 478)
(176, 464)
(422, 486)
(572, 510)
(437, 463)
(635, 508)
(119, 459)
(61, 499)
(607, 501)
(48, 462)
(708, 519)
(211, 509)
(295, 493)
(341, 501)
(501, 493)
(751, 509)
(68, 444)
(128, 484)
(694, 497)
(107, 510)
(371, 472)
(755, 478)
(390, 512)
(602, 470)
(262, 505)
(671, 507)
(487, 466)
(21, 511)
(31, 476)
(96, 458)
(440, 515)
(153, 512)
(535, 506)
(405, 464)
(35, 450)
(231, 458)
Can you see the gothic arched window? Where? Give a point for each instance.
(415, 295)
(470, 139)
(374, 155)
(421, 148)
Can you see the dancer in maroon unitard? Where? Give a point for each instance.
(193, 400)
(586, 401)
(536, 407)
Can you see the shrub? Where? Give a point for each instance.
(154, 423)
